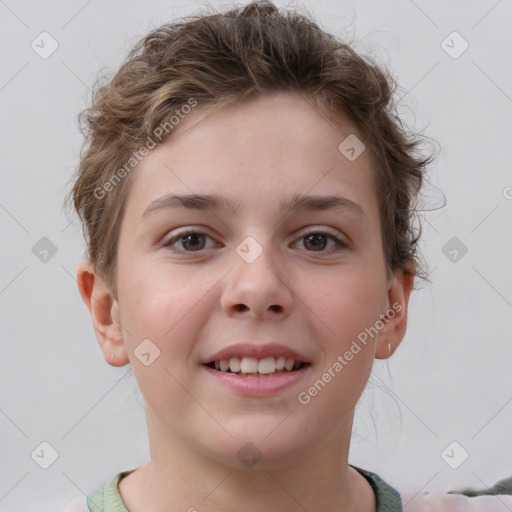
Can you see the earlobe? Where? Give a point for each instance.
(104, 310)
(395, 321)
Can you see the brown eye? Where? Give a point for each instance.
(193, 241)
(187, 241)
(318, 241)
(315, 241)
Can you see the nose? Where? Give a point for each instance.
(257, 288)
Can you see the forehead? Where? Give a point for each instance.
(268, 148)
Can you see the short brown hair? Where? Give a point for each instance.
(221, 58)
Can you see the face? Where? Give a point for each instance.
(270, 272)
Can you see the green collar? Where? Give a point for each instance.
(108, 498)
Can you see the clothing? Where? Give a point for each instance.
(108, 499)
(502, 487)
(388, 499)
(441, 502)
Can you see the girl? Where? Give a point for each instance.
(247, 196)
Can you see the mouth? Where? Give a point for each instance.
(252, 367)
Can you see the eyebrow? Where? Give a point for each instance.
(297, 203)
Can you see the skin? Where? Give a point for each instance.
(192, 304)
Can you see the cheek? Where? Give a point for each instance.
(156, 296)
(343, 316)
(345, 301)
(166, 308)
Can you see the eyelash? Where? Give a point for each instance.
(340, 244)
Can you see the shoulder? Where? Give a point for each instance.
(440, 502)
(104, 498)
(76, 505)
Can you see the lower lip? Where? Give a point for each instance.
(259, 386)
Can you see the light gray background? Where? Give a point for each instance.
(451, 378)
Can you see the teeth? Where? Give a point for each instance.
(234, 364)
(251, 365)
(267, 365)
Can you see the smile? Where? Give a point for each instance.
(251, 366)
(256, 369)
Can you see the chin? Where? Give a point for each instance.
(260, 448)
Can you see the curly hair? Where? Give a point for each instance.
(220, 58)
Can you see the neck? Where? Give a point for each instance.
(188, 480)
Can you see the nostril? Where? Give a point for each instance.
(274, 307)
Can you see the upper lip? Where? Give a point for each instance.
(256, 351)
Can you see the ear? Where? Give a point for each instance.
(394, 317)
(104, 310)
